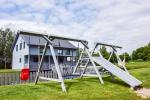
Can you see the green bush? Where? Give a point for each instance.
(139, 60)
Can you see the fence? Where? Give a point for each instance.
(14, 77)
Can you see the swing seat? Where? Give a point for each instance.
(25, 74)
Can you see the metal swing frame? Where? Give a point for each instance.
(114, 51)
(89, 59)
(85, 66)
(49, 42)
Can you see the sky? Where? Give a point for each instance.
(119, 22)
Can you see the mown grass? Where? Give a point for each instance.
(78, 89)
(137, 65)
(8, 71)
(87, 89)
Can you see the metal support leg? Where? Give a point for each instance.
(75, 68)
(110, 56)
(86, 65)
(100, 54)
(100, 77)
(58, 69)
(112, 76)
(40, 65)
(119, 60)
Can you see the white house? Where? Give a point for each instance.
(27, 51)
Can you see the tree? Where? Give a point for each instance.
(113, 58)
(134, 55)
(142, 53)
(6, 40)
(126, 56)
(104, 52)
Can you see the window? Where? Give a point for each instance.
(68, 58)
(26, 59)
(41, 49)
(20, 60)
(46, 59)
(73, 58)
(20, 46)
(16, 47)
(24, 44)
(68, 52)
(60, 51)
(35, 59)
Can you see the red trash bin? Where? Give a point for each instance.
(25, 74)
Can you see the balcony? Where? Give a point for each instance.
(45, 66)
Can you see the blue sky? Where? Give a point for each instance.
(119, 22)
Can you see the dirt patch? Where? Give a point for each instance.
(144, 93)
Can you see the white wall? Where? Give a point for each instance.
(19, 54)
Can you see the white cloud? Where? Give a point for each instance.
(125, 23)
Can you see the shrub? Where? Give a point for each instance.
(139, 60)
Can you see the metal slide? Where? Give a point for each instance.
(124, 76)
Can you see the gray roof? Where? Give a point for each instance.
(36, 40)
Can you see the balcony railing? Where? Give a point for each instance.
(34, 66)
(47, 66)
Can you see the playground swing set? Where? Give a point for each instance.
(100, 68)
(121, 63)
(85, 60)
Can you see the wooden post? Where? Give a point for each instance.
(93, 63)
(40, 65)
(58, 69)
(75, 68)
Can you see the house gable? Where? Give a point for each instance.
(20, 49)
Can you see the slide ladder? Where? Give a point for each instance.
(124, 76)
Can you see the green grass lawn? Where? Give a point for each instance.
(8, 71)
(80, 89)
(137, 65)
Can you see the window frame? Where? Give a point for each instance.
(26, 57)
(20, 46)
(68, 59)
(20, 60)
(35, 59)
(41, 50)
(16, 47)
(60, 51)
(68, 53)
(24, 45)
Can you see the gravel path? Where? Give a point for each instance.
(144, 93)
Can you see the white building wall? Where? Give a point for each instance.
(17, 55)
